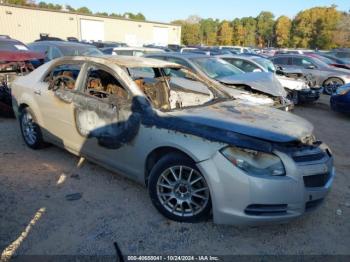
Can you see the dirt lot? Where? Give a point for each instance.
(37, 218)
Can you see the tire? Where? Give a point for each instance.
(30, 130)
(184, 199)
(331, 84)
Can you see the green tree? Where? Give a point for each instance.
(208, 31)
(237, 32)
(138, 16)
(102, 13)
(249, 30)
(70, 8)
(190, 33)
(43, 5)
(84, 10)
(342, 32)
(16, 2)
(225, 34)
(316, 27)
(283, 28)
(264, 26)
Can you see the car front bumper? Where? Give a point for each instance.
(310, 95)
(242, 199)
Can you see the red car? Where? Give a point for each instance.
(15, 59)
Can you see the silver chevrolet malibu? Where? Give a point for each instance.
(199, 152)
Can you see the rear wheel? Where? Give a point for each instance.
(178, 190)
(331, 85)
(30, 130)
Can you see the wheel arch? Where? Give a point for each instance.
(330, 77)
(27, 101)
(156, 154)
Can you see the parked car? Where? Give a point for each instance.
(298, 89)
(247, 164)
(262, 88)
(338, 62)
(131, 51)
(328, 77)
(341, 53)
(56, 49)
(109, 44)
(237, 49)
(330, 60)
(340, 99)
(15, 59)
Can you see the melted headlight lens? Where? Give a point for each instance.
(254, 162)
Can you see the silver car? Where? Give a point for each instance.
(199, 153)
(327, 76)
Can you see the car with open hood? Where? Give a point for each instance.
(298, 89)
(325, 75)
(15, 59)
(198, 151)
(259, 89)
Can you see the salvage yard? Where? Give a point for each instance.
(50, 206)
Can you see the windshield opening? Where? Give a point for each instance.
(216, 68)
(171, 88)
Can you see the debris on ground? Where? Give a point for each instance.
(73, 197)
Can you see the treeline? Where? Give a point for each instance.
(318, 27)
(81, 10)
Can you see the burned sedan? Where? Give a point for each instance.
(199, 152)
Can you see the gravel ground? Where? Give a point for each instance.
(112, 208)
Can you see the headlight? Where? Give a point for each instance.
(343, 90)
(254, 162)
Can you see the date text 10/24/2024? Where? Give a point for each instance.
(173, 258)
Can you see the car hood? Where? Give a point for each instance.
(265, 82)
(260, 122)
(19, 56)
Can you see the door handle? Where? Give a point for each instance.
(37, 92)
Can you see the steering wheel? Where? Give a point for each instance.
(61, 81)
(98, 93)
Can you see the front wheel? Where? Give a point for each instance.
(30, 130)
(331, 85)
(178, 190)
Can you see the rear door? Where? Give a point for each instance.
(55, 98)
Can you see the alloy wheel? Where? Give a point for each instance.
(28, 128)
(182, 191)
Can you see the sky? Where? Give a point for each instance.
(169, 10)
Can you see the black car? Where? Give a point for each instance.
(55, 49)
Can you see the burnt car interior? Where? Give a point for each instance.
(63, 76)
(166, 88)
(170, 88)
(102, 84)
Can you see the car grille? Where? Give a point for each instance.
(261, 210)
(319, 180)
(308, 158)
